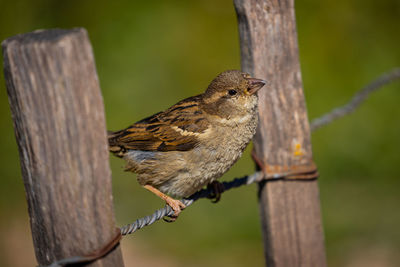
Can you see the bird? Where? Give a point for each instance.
(180, 150)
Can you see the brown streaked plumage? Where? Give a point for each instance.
(156, 133)
(194, 142)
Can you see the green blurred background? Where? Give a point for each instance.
(150, 55)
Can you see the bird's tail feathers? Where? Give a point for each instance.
(113, 145)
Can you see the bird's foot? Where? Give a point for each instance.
(176, 205)
(218, 189)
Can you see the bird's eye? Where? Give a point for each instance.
(232, 92)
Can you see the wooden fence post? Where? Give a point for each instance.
(290, 210)
(58, 115)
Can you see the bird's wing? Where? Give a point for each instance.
(176, 129)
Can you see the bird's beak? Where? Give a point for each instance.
(255, 85)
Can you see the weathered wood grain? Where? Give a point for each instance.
(290, 210)
(58, 115)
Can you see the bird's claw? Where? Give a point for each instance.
(170, 218)
(177, 206)
(218, 189)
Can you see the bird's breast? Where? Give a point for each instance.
(182, 173)
(224, 146)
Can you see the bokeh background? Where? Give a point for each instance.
(150, 54)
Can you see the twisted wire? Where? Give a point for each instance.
(204, 193)
(327, 118)
(357, 99)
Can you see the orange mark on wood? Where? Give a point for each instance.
(297, 150)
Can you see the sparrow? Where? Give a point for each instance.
(178, 151)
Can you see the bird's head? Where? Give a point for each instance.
(231, 94)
